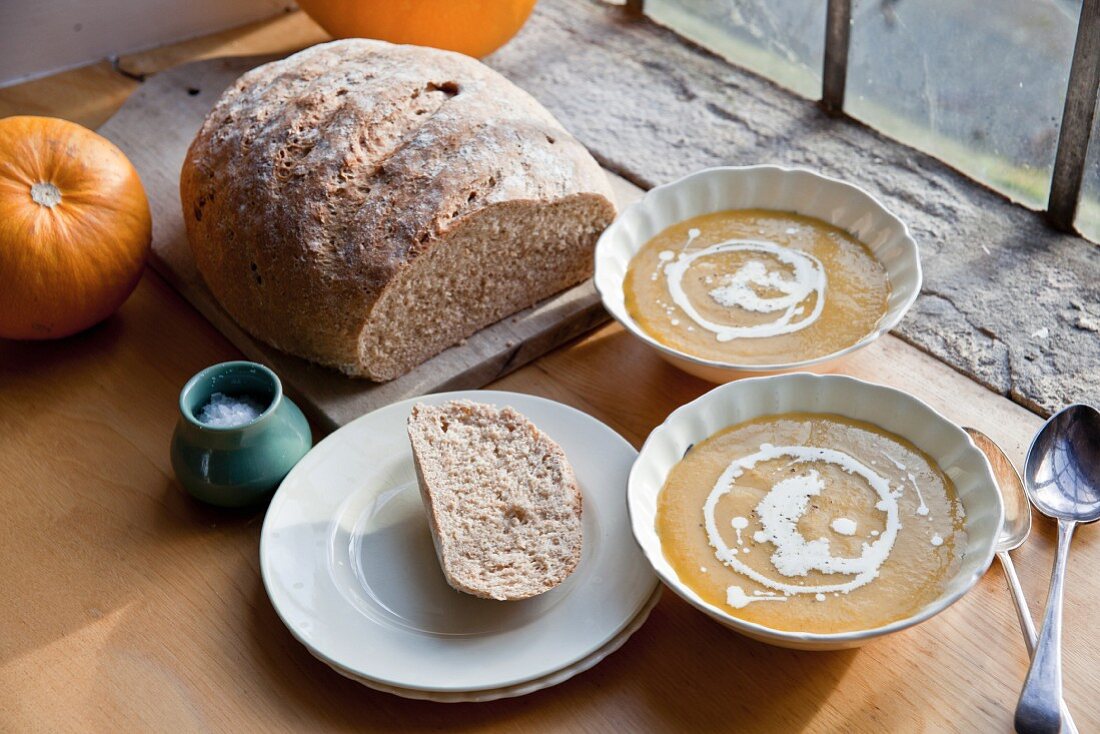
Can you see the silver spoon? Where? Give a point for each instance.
(1014, 531)
(1062, 479)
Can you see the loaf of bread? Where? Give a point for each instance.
(501, 499)
(366, 205)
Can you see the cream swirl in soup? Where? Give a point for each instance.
(743, 287)
(756, 287)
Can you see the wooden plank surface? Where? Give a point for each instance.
(156, 125)
(125, 606)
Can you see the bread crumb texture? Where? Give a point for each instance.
(501, 499)
(366, 205)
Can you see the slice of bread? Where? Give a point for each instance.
(501, 499)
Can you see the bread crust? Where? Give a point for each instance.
(315, 179)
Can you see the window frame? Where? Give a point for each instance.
(1078, 113)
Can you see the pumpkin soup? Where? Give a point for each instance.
(811, 523)
(756, 287)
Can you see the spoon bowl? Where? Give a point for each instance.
(1017, 521)
(1062, 472)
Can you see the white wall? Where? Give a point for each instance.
(39, 37)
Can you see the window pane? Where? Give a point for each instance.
(780, 39)
(1088, 209)
(977, 83)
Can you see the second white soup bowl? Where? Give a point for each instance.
(892, 410)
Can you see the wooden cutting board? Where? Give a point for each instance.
(155, 127)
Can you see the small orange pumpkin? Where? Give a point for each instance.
(473, 27)
(74, 228)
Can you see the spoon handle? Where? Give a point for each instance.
(1022, 612)
(1037, 711)
(1030, 635)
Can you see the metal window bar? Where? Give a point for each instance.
(834, 75)
(1077, 120)
(1077, 116)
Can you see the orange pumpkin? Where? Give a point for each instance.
(74, 228)
(473, 27)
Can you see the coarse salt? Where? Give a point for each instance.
(227, 411)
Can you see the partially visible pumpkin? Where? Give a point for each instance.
(473, 27)
(74, 228)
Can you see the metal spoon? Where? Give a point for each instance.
(1062, 479)
(1014, 531)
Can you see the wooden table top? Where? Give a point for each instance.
(128, 606)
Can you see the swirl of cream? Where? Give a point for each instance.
(808, 278)
(780, 510)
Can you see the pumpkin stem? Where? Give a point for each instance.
(46, 194)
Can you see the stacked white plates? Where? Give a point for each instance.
(348, 562)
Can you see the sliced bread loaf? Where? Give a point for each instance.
(366, 205)
(501, 499)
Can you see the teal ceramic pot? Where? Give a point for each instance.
(240, 465)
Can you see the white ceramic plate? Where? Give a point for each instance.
(521, 689)
(347, 560)
(758, 187)
(890, 409)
